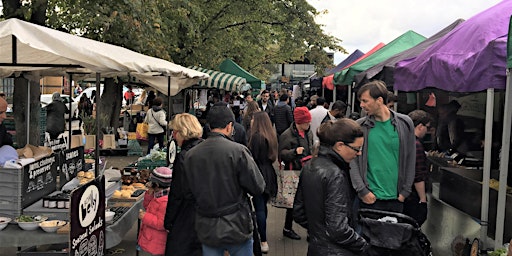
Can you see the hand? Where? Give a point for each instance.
(401, 198)
(141, 214)
(299, 150)
(369, 198)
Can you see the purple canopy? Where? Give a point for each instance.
(470, 58)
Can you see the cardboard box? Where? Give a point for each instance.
(76, 141)
(109, 141)
(90, 141)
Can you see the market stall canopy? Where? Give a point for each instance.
(42, 51)
(399, 44)
(471, 58)
(230, 67)
(220, 80)
(372, 51)
(509, 45)
(351, 58)
(384, 71)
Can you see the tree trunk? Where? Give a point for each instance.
(12, 9)
(109, 105)
(39, 12)
(21, 117)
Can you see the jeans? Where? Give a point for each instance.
(151, 140)
(243, 249)
(260, 206)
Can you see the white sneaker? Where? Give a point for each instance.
(264, 247)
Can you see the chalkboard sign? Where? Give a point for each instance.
(39, 179)
(56, 144)
(70, 163)
(87, 235)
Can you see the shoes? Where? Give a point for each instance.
(264, 247)
(291, 234)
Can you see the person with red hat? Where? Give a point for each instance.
(152, 234)
(295, 145)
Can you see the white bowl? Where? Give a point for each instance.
(4, 221)
(52, 225)
(30, 225)
(109, 216)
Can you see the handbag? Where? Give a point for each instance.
(287, 183)
(141, 132)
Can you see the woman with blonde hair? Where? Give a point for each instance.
(252, 107)
(263, 146)
(179, 216)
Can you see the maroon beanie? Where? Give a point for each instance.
(301, 115)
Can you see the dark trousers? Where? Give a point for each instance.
(260, 207)
(288, 221)
(151, 140)
(416, 210)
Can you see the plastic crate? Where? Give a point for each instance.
(10, 192)
(150, 164)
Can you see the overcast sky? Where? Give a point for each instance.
(362, 24)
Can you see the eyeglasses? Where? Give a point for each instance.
(357, 150)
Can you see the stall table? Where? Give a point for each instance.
(13, 236)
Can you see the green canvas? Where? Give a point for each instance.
(404, 42)
(230, 67)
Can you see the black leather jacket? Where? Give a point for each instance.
(323, 205)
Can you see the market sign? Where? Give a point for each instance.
(87, 217)
(71, 162)
(39, 179)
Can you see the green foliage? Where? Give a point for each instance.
(254, 33)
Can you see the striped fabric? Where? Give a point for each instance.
(220, 80)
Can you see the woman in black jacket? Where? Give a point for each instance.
(263, 146)
(324, 198)
(179, 216)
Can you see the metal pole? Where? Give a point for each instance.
(97, 146)
(169, 107)
(70, 111)
(504, 158)
(484, 211)
(28, 112)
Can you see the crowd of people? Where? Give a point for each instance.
(219, 179)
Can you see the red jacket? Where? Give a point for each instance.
(152, 235)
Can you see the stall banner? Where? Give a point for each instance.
(87, 217)
(70, 163)
(39, 179)
(56, 144)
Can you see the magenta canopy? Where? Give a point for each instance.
(471, 58)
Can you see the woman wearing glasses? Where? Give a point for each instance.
(324, 199)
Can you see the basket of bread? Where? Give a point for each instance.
(132, 192)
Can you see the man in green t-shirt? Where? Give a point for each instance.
(384, 173)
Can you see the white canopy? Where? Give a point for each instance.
(45, 51)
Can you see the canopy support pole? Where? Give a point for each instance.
(484, 211)
(169, 106)
(28, 112)
(97, 146)
(504, 158)
(70, 109)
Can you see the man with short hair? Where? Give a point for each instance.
(384, 173)
(220, 173)
(337, 111)
(416, 204)
(317, 116)
(5, 137)
(266, 105)
(283, 114)
(312, 102)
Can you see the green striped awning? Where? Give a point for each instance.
(220, 80)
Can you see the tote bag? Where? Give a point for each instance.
(142, 131)
(287, 183)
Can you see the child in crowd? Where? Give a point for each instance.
(152, 235)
